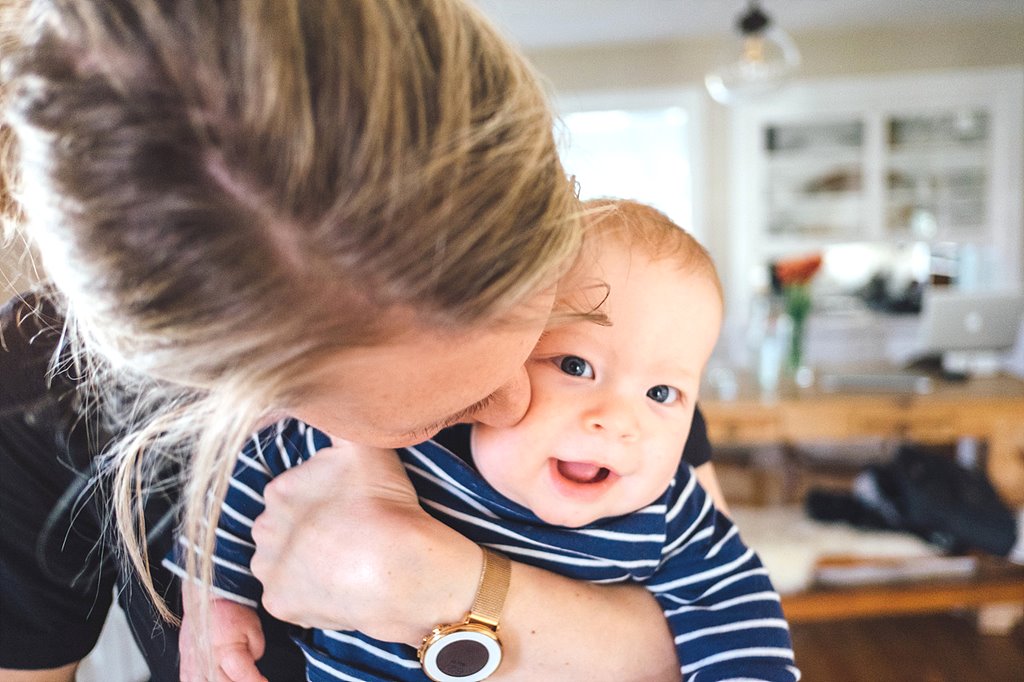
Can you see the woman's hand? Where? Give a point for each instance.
(344, 545)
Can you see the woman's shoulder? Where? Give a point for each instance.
(30, 332)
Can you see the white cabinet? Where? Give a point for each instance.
(921, 158)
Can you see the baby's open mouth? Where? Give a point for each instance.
(582, 472)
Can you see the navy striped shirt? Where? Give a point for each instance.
(723, 612)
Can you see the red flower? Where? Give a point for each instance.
(797, 271)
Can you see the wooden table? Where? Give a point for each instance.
(996, 583)
(990, 409)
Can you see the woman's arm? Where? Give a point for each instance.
(708, 480)
(560, 629)
(697, 454)
(344, 544)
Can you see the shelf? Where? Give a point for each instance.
(831, 156)
(949, 157)
(949, 143)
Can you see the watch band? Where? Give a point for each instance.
(492, 589)
(470, 651)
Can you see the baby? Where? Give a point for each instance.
(589, 484)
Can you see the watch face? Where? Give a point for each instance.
(462, 656)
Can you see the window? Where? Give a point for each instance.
(645, 150)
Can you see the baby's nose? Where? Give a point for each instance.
(614, 417)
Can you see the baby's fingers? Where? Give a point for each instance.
(238, 665)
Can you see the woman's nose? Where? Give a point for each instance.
(508, 404)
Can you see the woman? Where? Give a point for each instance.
(352, 212)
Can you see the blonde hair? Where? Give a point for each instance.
(225, 193)
(645, 228)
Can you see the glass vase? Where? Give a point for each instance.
(796, 342)
(798, 307)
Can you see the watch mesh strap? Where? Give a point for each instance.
(490, 593)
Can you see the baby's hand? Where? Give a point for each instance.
(236, 640)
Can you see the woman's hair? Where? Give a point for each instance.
(223, 193)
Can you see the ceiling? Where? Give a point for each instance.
(538, 24)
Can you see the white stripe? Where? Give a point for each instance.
(453, 485)
(733, 654)
(283, 452)
(329, 670)
(703, 575)
(683, 497)
(310, 440)
(621, 536)
(727, 604)
(481, 523)
(736, 577)
(231, 537)
(237, 568)
(718, 546)
(453, 488)
(673, 550)
(777, 623)
(611, 581)
(224, 594)
(259, 453)
(237, 516)
(790, 669)
(246, 490)
(237, 598)
(370, 649)
(573, 561)
(435, 468)
(260, 466)
(684, 537)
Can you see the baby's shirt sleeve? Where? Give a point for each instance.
(265, 456)
(725, 616)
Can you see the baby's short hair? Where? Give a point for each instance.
(643, 227)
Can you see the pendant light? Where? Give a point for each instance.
(758, 61)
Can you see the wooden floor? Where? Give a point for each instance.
(933, 648)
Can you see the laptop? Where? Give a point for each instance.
(970, 330)
(962, 332)
(953, 320)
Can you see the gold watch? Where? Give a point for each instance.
(470, 651)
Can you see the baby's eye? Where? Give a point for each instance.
(663, 394)
(576, 366)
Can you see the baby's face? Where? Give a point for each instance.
(612, 405)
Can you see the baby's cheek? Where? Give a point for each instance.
(505, 460)
(492, 450)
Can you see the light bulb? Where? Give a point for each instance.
(759, 60)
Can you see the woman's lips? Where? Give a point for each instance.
(582, 481)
